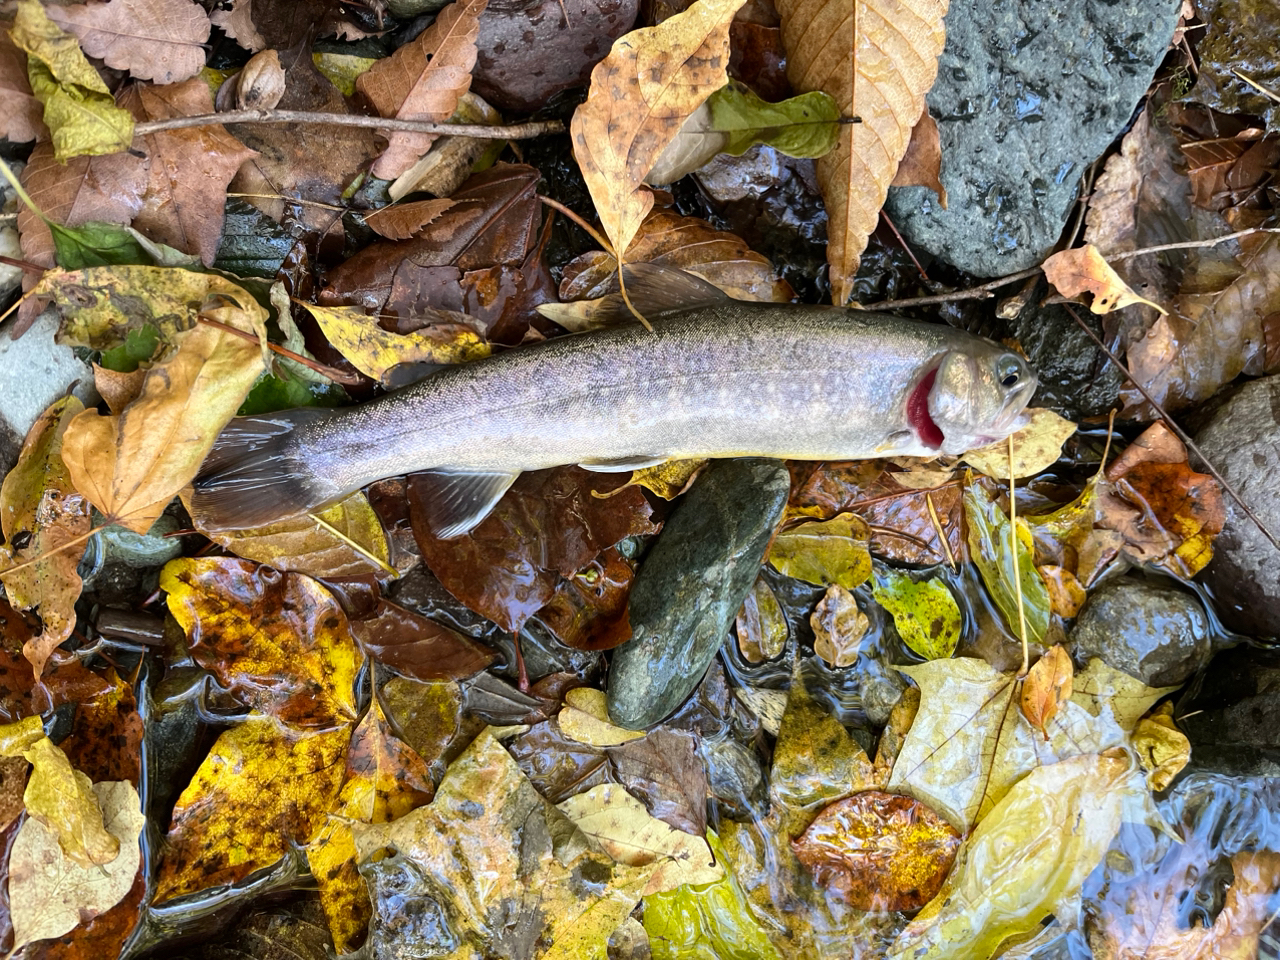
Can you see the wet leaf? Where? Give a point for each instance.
(20, 735)
(132, 465)
(280, 641)
(422, 80)
(79, 111)
(1163, 749)
(667, 773)
(1032, 850)
(418, 647)
(879, 851)
(838, 627)
(589, 610)
(1084, 270)
(924, 611)
(38, 500)
(816, 760)
(761, 626)
(262, 790)
(716, 917)
(62, 798)
(670, 478)
(400, 221)
(652, 80)
(51, 893)
(1036, 447)
(824, 552)
(921, 165)
(1047, 687)
(992, 547)
(385, 780)
(557, 765)
(160, 40)
(585, 718)
(895, 60)
(375, 352)
(105, 742)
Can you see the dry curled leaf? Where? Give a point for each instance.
(1084, 270)
(895, 60)
(1047, 687)
(641, 94)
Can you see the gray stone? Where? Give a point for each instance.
(691, 586)
(1155, 632)
(1076, 378)
(34, 372)
(1028, 95)
(1232, 714)
(513, 70)
(1240, 441)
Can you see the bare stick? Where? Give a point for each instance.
(1186, 438)
(519, 131)
(364, 552)
(333, 373)
(942, 534)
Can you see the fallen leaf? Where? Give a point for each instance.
(19, 109)
(79, 111)
(824, 552)
(132, 465)
(558, 766)
(1047, 687)
(62, 798)
(585, 718)
(641, 94)
(39, 505)
(992, 547)
(376, 352)
(670, 478)
(816, 760)
(20, 735)
(838, 627)
(1036, 447)
(1084, 270)
(160, 40)
(418, 647)
(879, 851)
(422, 80)
(666, 772)
(921, 165)
(588, 610)
(106, 736)
(1162, 749)
(925, 612)
(760, 624)
(235, 19)
(51, 894)
(279, 641)
(400, 221)
(894, 62)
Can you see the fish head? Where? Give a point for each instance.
(972, 398)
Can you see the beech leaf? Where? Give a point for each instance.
(160, 40)
(895, 60)
(585, 718)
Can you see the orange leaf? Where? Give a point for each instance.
(1047, 687)
(1083, 270)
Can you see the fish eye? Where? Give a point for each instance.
(1009, 370)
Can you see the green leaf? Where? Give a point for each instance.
(925, 613)
(803, 126)
(991, 547)
(710, 921)
(139, 346)
(273, 393)
(824, 552)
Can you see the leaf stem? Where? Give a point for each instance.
(1017, 573)
(519, 131)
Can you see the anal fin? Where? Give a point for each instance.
(455, 501)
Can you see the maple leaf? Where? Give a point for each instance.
(894, 63)
(160, 40)
(422, 81)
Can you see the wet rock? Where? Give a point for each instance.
(1232, 715)
(1155, 632)
(736, 779)
(1240, 440)
(1028, 95)
(513, 71)
(691, 586)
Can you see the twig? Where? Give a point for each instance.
(942, 534)
(1186, 438)
(1017, 573)
(333, 373)
(519, 131)
(1257, 86)
(591, 231)
(26, 265)
(358, 548)
(1190, 244)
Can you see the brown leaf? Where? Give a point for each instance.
(400, 221)
(879, 851)
(641, 94)
(188, 170)
(838, 627)
(418, 647)
(558, 766)
(895, 59)
(589, 609)
(667, 774)
(160, 40)
(235, 19)
(1083, 270)
(20, 112)
(760, 624)
(921, 165)
(118, 389)
(422, 81)
(1047, 687)
(106, 735)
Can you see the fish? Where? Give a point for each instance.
(714, 377)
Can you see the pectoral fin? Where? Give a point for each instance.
(621, 464)
(455, 501)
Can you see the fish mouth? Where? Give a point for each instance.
(927, 431)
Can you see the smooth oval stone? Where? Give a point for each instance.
(692, 585)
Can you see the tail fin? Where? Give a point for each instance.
(254, 476)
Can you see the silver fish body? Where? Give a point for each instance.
(727, 379)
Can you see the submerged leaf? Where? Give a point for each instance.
(838, 627)
(761, 625)
(825, 552)
(62, 798)
(925, 612)
(1047, 687)
(992, 548)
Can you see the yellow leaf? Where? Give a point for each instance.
(1036, 447)
(17, 737)
(641, 94)
(824, 552)
(882, 80)
(61, 797)
(37, 500)
(1047, 687)
(585, 718)
(1163, 749)
(669, 479)
(374, 351)
(1083, 270)
(130, 466)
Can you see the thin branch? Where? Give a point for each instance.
(333, 373)
(1186, 438)
(519, 131)
(1190, 244)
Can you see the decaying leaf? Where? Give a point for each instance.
(921, 165)
(1163, 749)
(1084, 270)
(1047, 687)
(824, 552)
(667, 773)
(160, 40)
(925, 612)
(19, 109)
(400, 221)
(418, 647)
(1036, 447)
(992, 547)
(880, 76)
(585, 718)
(879, 851)
(641, 94)
(761, 626)
(62, 798)
(838, 627)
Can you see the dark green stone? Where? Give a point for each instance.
(691, 586)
